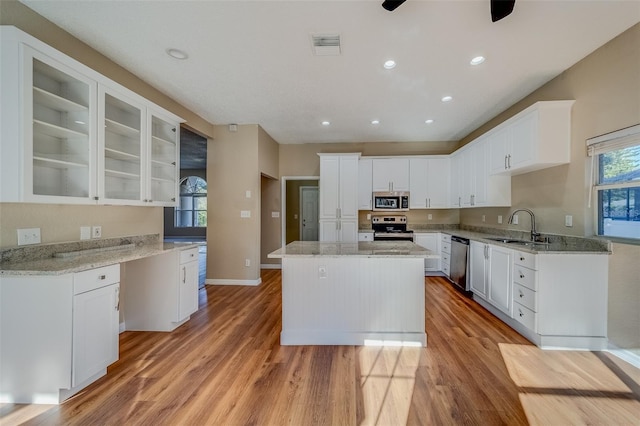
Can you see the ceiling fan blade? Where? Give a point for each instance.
(391, 5)
(501, 9)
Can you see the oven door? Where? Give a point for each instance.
(393, 236)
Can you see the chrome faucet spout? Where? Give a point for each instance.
(534, 234)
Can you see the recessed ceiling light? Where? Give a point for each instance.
(177, 53)
(429, 121)
(375, 121)
(390, 64)
(325, 123)
(477, 60)
(447, 98)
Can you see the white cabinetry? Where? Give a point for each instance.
(339, 197)
(430, 241)
(390, 174)
(429, 183)
(71, 136)
(536, 138)
(490, 274)
(96, 308)
(161, 292)
(445, 254)
(365, 185)
(58, 333)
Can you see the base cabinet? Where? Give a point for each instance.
(430, 241)
(58, 333)
(161, 292)
(479, 268)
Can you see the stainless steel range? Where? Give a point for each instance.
(391, 228)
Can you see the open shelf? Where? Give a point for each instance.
(163, 140)
(121, 129)
(120, 155)
(119, 174)
(164, 163)
(53, 101)
(57, 163)
(56, 131)
(159, 179)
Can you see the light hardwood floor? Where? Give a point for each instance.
(226, 367)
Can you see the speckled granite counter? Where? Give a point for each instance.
(359, 249)
(40, 260)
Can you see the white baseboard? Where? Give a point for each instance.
(218, 281)
(624, 354)
(271, 266)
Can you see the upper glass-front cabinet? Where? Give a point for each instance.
(60, 104)
(121, 146)
(69, 135)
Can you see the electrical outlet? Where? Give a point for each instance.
(247, 194)
(247, 262)
(429, 216)
(368, 216)
(515, 219)
(85, 232)
(28, 236)
(568, 221)
(322, 272)
(499, 218)
(96, 231)
(484, 218)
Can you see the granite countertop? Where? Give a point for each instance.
(360, 249)
(41, 260)
(558, 244)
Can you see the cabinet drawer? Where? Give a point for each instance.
(525, 316)
(95, 278)
(528, 260)
(446, 238)
(525, 276)
(445, 259)
(189, 255)
(446, 247)
(365, 236)
(445, 269)
(524, 296)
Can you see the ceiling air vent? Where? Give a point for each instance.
(326, 44)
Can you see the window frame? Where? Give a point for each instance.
(194, 211)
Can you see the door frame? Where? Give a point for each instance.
(283, 206)
(301, 209)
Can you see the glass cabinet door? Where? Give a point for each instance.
(121, 145)
(59, 135)
(163, 167)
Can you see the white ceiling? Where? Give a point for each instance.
(251, 62)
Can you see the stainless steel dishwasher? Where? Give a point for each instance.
(460, 263)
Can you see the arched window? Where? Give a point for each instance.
(192, 211)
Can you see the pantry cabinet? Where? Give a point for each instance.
(339, 197)
(71, 136)
(429, 183)
(365, 185)
(536, 138)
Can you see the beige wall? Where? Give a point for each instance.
(303, 160)
(606, 87)
(269, 225)
(232, 169)
(61, 223)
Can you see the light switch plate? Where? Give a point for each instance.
(515, 219)
(28, 236)
(429, 216)
(275, 214)
(247, 194)
(499, 218)
(85, 232)
(568, 221)
(245, 213)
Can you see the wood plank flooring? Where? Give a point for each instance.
(226, 367)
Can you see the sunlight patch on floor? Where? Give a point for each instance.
(22, 413)
(387, 378)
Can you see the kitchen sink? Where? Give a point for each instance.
(508, 240)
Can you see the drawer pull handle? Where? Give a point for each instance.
(521, 314)
(102, 277)
(521, 295)
(521, 258)
(521, 275)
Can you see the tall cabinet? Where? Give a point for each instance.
(71, 136)
(339, 197)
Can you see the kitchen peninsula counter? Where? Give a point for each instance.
(353, 293)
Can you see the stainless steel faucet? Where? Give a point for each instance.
(534, 234)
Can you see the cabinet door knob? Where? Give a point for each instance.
(102, 277)
(521, 314)
(521, 295)
(521, 275)
(522, 258)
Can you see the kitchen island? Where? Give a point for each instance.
(353, 293)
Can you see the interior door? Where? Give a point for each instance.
(309, 213)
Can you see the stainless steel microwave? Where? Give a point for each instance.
(390, 201)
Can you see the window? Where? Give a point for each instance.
(192, 211)
(616, 160)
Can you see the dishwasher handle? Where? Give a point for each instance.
(460, 240)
